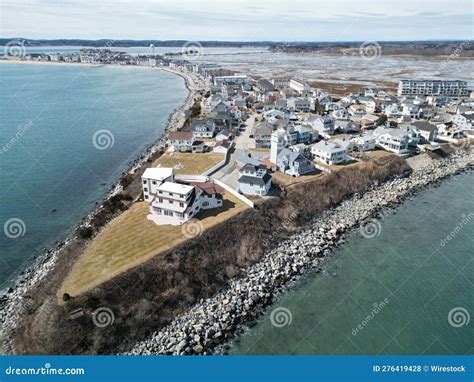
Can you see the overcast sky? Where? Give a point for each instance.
(285, 20)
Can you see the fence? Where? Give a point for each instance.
(235, 193)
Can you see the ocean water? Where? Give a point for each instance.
(66, 135)
(403, 291)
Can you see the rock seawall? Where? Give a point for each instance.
(211, 322)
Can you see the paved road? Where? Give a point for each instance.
(242, 146)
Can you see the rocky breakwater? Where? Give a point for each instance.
(212, 321)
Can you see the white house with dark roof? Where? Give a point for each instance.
(174, 202)
(203, 128)
(181, 140)
(323, 124)
(330, 152)
(254, 180)
(463, 121)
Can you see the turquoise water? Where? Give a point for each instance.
(49, 116)
(414, 280)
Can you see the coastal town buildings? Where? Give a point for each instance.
(174, 201)
(433, 87)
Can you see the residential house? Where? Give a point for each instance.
(262, 135)
(203, 128)
(299, 104)
(181, 140)
(254, 180)
(224, 135)
(393, 140)
(330, 152)
(363, 143)
(464, 121)
(323, 124)
(428, 131)
(174, 202)
(293, 163)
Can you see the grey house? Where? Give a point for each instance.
(294, 163)
(254, 180)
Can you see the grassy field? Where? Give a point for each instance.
(131, 239)
(287, 180)
(189, 163)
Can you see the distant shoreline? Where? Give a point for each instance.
(12, 309)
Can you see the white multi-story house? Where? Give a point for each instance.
(363, 143)
(203, 128)
(464, 121)
(175, 202)
(330, 152)
(323, 124)
(254, 180)
(396, 140)
(299, 104)
(181, 140)
(428, 131)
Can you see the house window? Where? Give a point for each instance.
(145, 189)
(160, 192)
(154, 182)
(146, 196)
(160, 200)
(170, 201)
(168, 213)
(205, 204)
(171, 194)
(181, 204)
(144, 181)
(251, 184)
